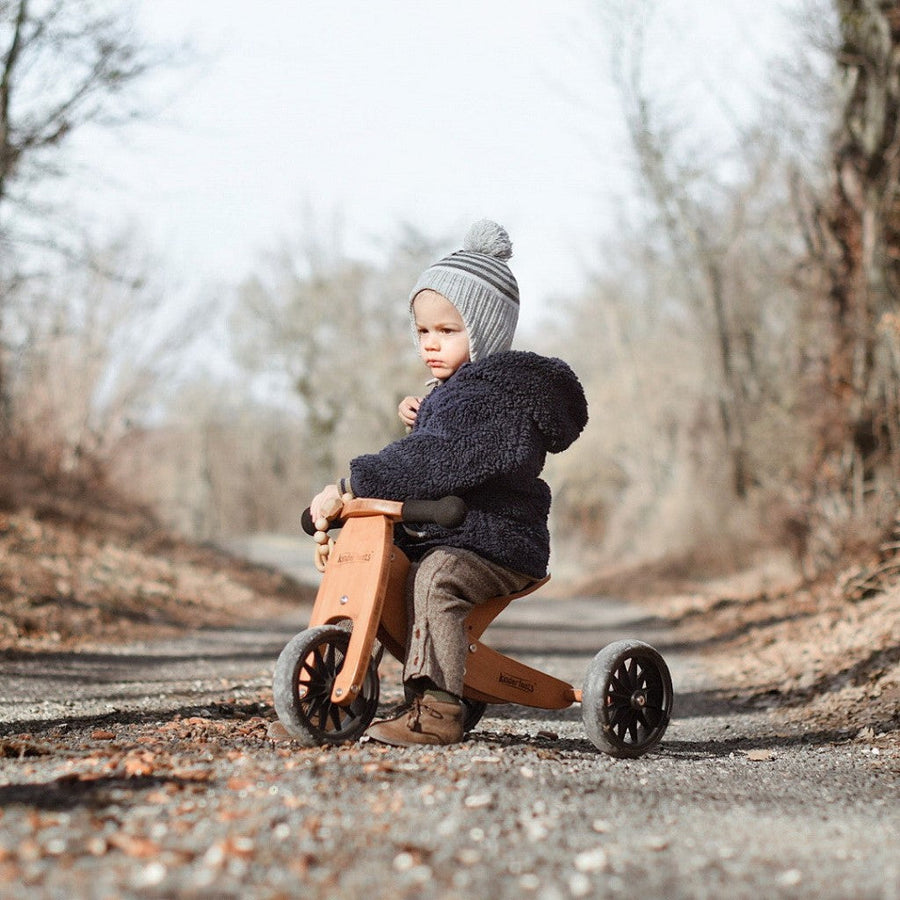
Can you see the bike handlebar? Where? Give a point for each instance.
(448, 512)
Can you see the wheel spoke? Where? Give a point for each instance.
(309, 674)
(314, 707)
(324, 712)
(331, 659)
(309, 669)
(623, 717)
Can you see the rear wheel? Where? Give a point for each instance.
(627, 699)
(472, 711)
(302, 683)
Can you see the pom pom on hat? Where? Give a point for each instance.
(489, 238)
(479, 283)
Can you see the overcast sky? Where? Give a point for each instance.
(430, 113)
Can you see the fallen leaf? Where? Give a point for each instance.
(760, 755)
(240, 784)
(138, 764)
(138, 847)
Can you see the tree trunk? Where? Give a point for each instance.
(860, 445)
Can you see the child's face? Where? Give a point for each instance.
(443, 339)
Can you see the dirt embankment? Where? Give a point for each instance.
(826, 654)
(81, 567)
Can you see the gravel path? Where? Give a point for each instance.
(147, 771)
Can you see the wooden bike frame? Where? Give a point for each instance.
(363, 584)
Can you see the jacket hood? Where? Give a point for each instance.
(546, 385)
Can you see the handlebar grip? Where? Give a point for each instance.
(306, 522)
(448, 512)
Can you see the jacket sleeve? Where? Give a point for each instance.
(481, 437)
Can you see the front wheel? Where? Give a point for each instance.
(627, 699)
(302, 683)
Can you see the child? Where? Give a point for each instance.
(482, 434)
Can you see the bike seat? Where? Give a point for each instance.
(485, 613)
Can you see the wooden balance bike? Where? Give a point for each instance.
(326, 683)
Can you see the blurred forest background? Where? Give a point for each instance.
(739, 338)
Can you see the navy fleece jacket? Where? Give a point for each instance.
(483, 435)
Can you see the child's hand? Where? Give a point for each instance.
(323, 502)
(408, 410)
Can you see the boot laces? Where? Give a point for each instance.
(416, 712)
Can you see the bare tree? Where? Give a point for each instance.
(680, 193)
(64, 64)
(337, 332)
(723, 219)
(695, 392)
(93, 354)
(218, 463)
(854, 238)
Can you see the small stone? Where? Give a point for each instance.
(478, 801)
(468, 856)
(760, 755)
(594, 860)
(790, 878)
(579, 885)
(151, 875)
(97, 846)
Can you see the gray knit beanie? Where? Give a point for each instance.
(479, 283)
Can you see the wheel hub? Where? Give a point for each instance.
(639, 699)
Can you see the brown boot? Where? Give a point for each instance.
(427, 721)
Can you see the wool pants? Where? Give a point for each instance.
(441, 590)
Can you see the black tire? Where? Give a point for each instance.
(472, 711)
(627, 699)
(304, 677)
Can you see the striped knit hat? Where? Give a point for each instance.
(478, 282)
